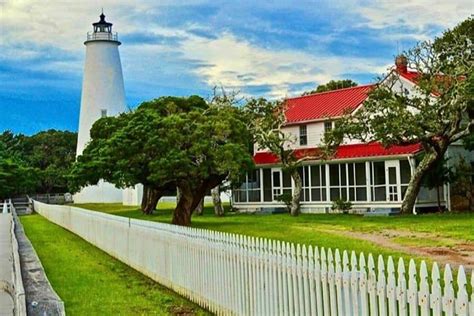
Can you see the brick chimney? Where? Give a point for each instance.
(401, 63)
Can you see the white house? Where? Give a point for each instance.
(367, 174)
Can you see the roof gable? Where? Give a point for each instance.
(325, 104)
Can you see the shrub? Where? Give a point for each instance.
(340, 205)
(285, 198)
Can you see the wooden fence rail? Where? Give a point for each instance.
(232, 274)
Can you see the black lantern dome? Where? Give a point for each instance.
(102, 32)
(102, 26)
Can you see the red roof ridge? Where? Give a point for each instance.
(332, 91)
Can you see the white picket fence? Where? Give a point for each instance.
(231, 274)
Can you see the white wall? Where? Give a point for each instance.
(103, 192)
(133, 195)
(102, 87)
(315, 135)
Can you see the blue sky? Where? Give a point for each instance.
(260, 48)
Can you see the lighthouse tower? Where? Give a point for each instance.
(103, 94)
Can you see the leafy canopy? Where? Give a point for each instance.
(333, 85)
(46, 156)
(437, 112)
(168, 142)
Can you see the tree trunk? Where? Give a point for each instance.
(414, 186)
(295, 201)
(191, 196)
(182, 213)
(216, 200)
(150, 199)
(178, 195)
(200, 207)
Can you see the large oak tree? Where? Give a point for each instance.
(166, 143)
(438, 113)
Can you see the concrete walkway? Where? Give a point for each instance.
(12, 296)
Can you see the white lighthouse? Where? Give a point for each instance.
(103, 94)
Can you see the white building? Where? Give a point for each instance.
(103, 94)
(367, 174)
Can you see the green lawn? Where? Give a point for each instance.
(325, 230)
(90, 282)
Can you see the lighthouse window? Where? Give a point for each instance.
(103, 113)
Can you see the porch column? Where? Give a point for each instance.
(368, 181)
(326, 173)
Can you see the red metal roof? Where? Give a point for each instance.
(373, 149)
(410, 75)
(325, 104)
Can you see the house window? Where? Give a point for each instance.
(318, 183)
(327, 126)
(378, 181)
(303, 135)
(249, 190)
(267, 185)
(357, 182)
(347, 181)
(103, 113)
(304, 175)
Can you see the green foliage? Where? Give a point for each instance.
(285, 198)
(340, 205)
(15, 177)
(435, 115)
(266, 120)
(463, 182)
(333, 85)
(439, 175)
(52, 154)
(166, 143)
(437, 112)
(38, 163)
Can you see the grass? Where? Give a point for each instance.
(324, 230)
(90, 282)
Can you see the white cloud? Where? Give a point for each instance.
(227, 60)
(417, 15)
(236, 63)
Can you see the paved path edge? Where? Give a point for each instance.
(41, 299)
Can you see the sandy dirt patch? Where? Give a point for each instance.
(444, 251)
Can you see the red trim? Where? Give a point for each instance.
(373, 149)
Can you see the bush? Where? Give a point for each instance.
(341, 206)
(285, 198)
